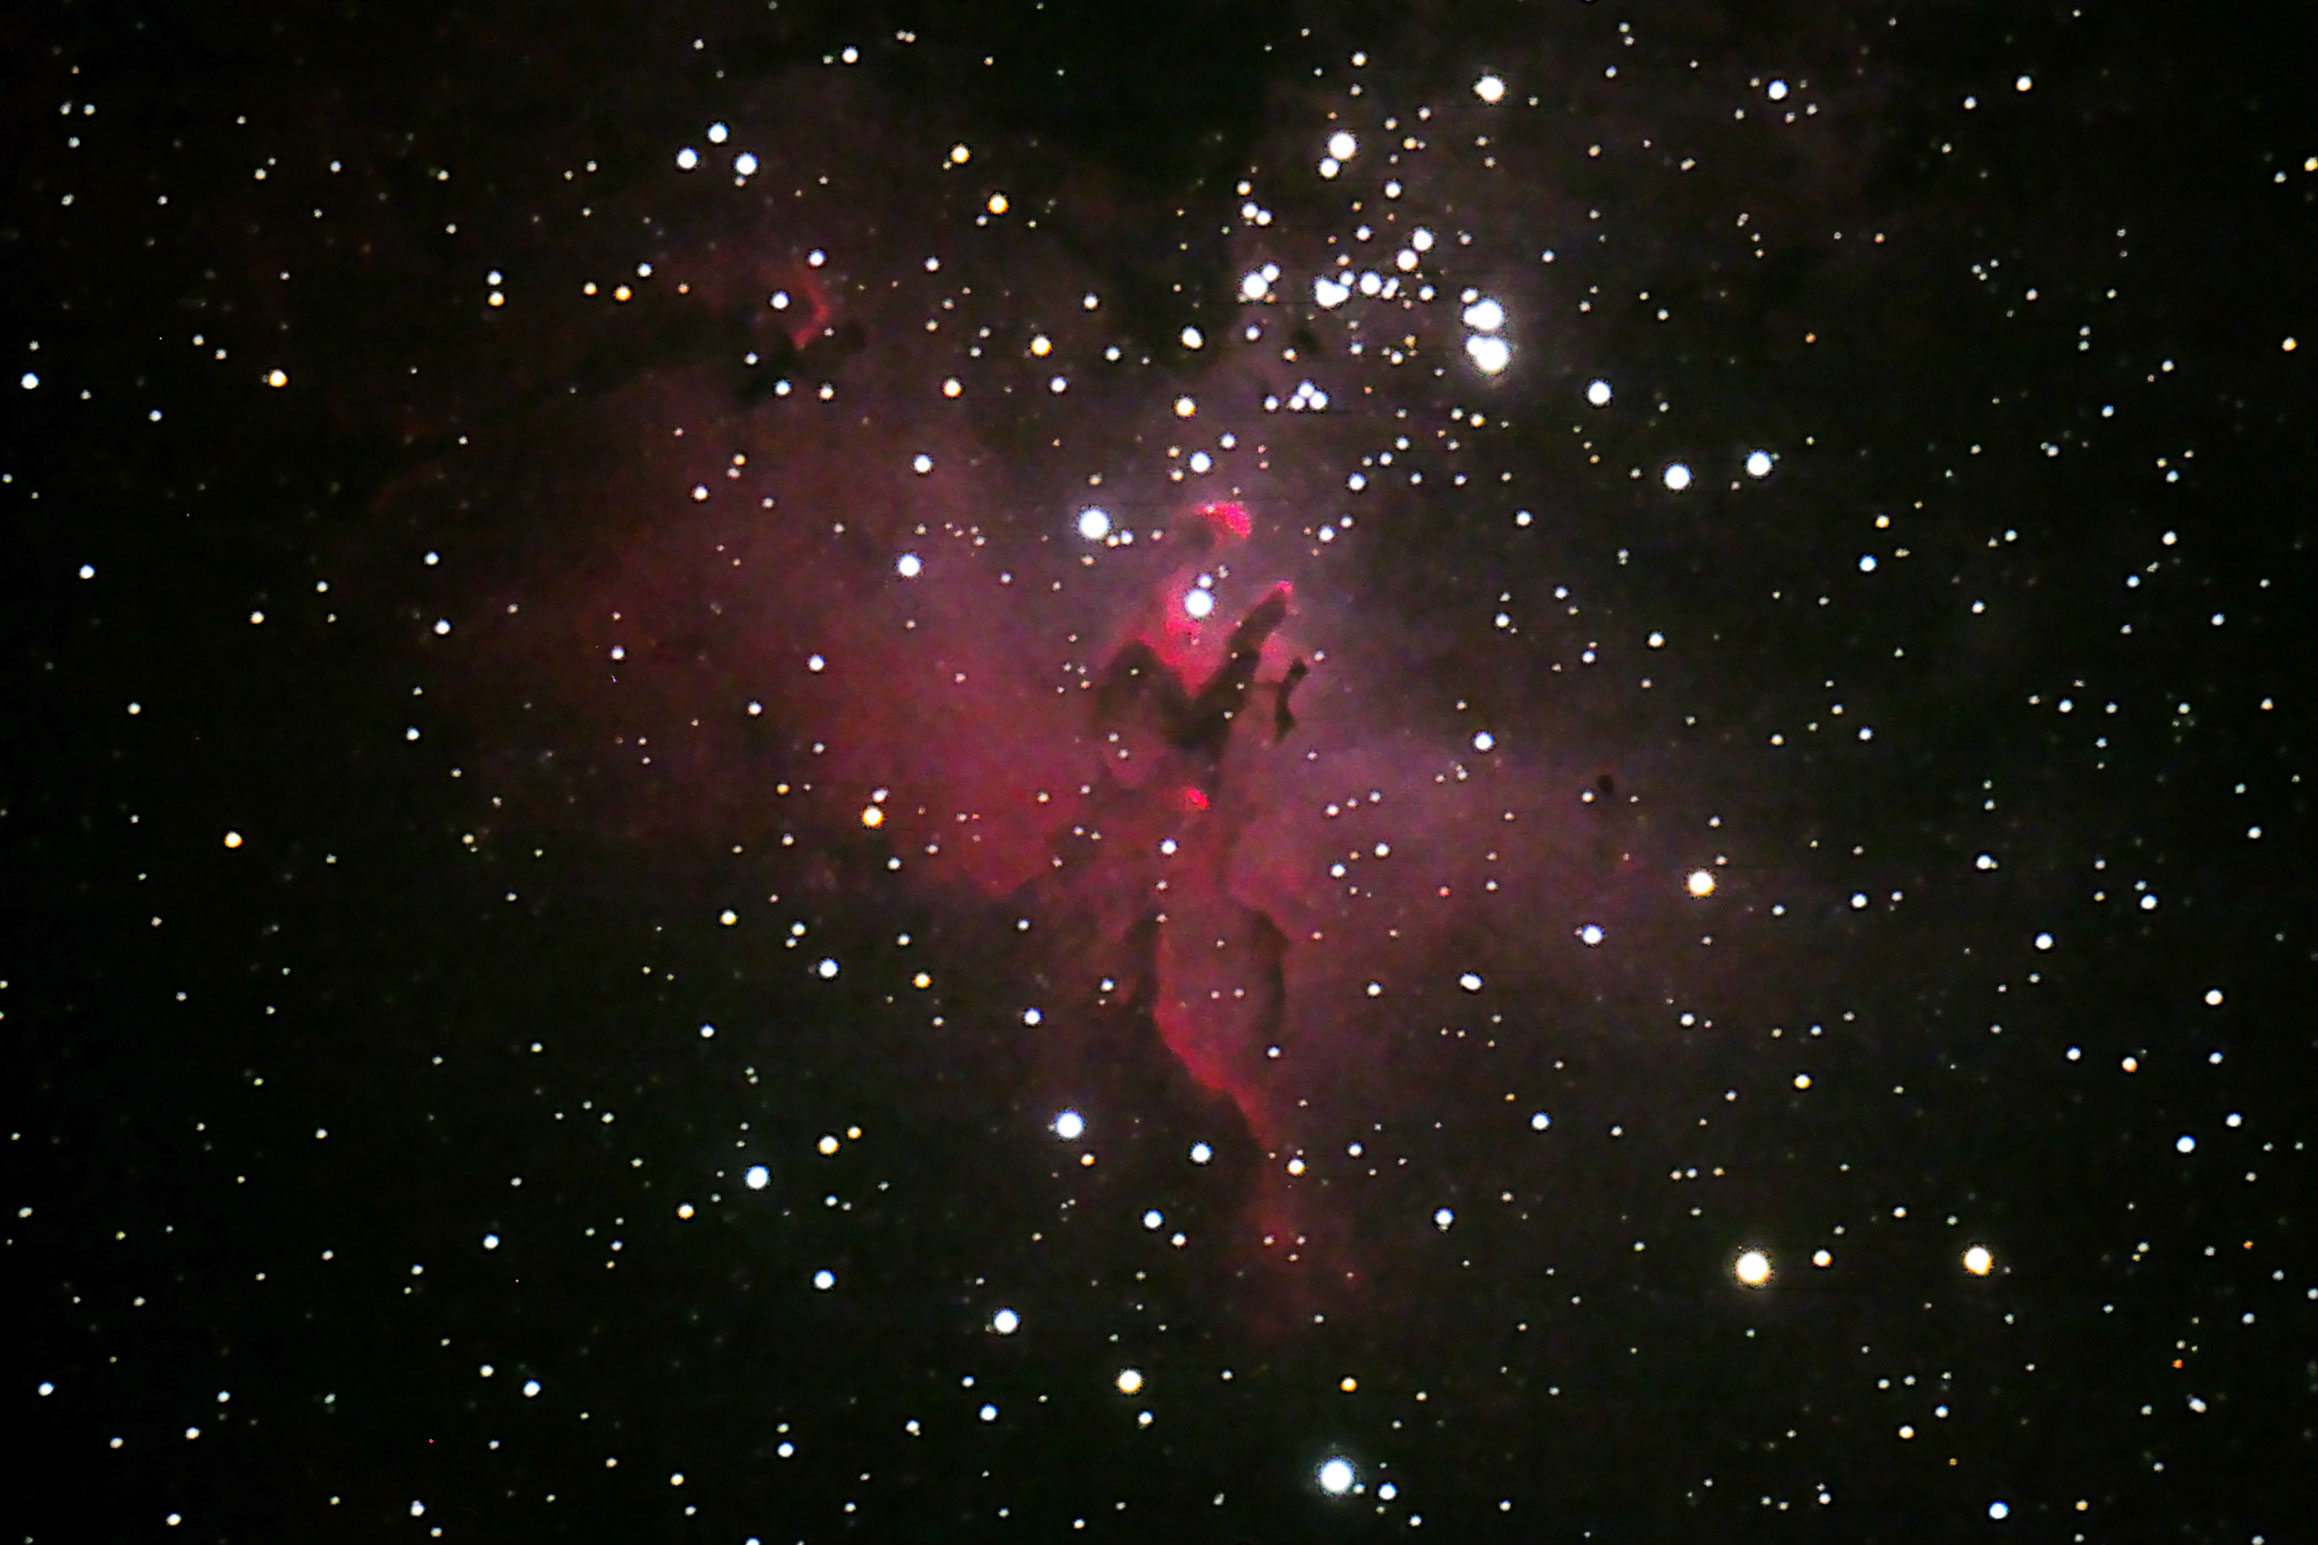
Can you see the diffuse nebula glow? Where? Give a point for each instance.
(825, 605)
(1298, 884)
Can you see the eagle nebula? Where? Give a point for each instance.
(838, 542)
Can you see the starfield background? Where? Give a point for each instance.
(666, 876)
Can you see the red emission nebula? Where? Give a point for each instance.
(845, 621)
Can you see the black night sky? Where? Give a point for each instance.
(962, 769)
